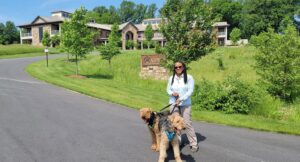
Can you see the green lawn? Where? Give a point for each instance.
(121, 84)
(17, 50)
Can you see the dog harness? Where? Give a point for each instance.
(170, 135)
(151, 120)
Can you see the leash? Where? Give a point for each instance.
(165, 107)
(169, 106)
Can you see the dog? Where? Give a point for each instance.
(152, 119)
(169, 127)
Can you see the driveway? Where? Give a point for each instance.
(40, 122)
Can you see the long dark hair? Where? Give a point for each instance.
(183, 71)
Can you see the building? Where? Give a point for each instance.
(32, 33)
(221, 31)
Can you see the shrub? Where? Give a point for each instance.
(130, 44)
(232, 96)
(278, 62)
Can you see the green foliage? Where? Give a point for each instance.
(278, 62)
(227, 10)
(258, 15)
(77, 38)
(19, 49)
(187, 27)
(46, 41)
(235, 35)
(232, 96)
(150, 13)
(111, 49)
(149, 34)
(9, 34)
(127, 11)
(55, 40)
(114, 36)
(130, 44)
(2, 29)
(158, 49)
(284, 24)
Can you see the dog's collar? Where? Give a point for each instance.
(151, 120)
(170, 135)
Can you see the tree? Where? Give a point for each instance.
(10, 33)
(46, 41)
(278, 62)
(187, 28)
(76, 37)
(151, 11)
(2, 38)
(235, 35)
(140, 11)
(111, 49)
(259, 15)
(227, 10)
(127, 11)
(55, 40)
(149, 34)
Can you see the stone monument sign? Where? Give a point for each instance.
(151, 68)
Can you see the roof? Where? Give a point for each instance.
(60, 11)
(100, 26)
(152, 19)
(221, 24)
(45, 19)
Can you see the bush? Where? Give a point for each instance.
(130, 44)
(278, 62)
(232, 96)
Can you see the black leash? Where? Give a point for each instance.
(169, 106)
(165, 107)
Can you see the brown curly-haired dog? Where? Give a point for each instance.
(169, 127)
(152, 119)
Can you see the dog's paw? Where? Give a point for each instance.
(157, 149)
(153, 147)
(178, 159)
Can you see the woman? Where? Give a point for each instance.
(180, 89)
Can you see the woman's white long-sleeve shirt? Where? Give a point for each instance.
(185, 91)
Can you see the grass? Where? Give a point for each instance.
(17, 50)
(120, 83)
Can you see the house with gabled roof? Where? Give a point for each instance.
(32, 33)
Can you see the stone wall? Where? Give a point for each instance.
(35, 36)
(151, 68)
(154, 72)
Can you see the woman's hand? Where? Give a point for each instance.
(177, 102)
(175, 94)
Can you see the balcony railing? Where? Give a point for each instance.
(54, 32)
(221, 33)
(26, 34)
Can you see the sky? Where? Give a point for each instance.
(25, 11)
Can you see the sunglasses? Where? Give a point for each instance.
(177, 67)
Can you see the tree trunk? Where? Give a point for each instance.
(76, 64)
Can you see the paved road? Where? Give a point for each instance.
(44, 123)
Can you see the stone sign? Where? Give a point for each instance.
(151, 68)
(151, 60)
